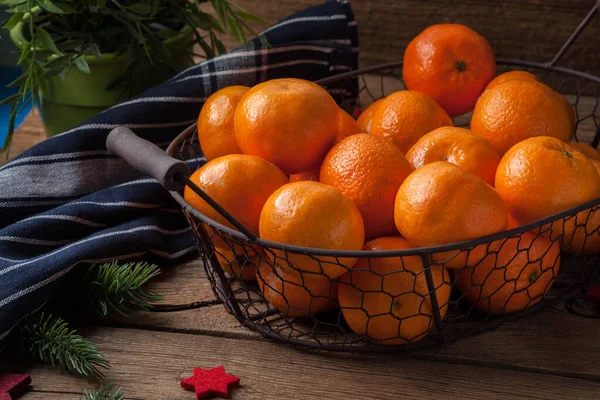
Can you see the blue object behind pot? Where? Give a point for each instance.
(9, 71)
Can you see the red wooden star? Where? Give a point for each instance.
(13, 385)
(210, 382)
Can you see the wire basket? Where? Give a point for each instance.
(402, 299)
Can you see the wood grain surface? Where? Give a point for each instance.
(149, 365)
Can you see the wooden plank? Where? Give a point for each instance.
(527, 30)
(29, 133)
(182, 285)
(210, 320)
(148, 365)
(35, 395)
(534, 343)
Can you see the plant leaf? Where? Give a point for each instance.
(18, 82)
(23, 7)
(250, 17)
(62, 60)
(100, 4)
(198, 21)
(11, 3)
(11, 98)
(82, 65)
(56, 8)
(208, 51)
(24, 54)
(53, 71)
(94, 50)
(47, 40)
(214, 23)
(66, 8)
(237, 30)
(14, 20)
(220, 46)
(219, 7)
(167, 33)
(140, 8)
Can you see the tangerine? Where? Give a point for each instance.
(296, 295)
(368, 170)
(516, 277)
(405, 116)
(239, 183)
(289, 122)
(388, 299)
(215, 122)
(519, 109)
(366, 117)
(429, 210)
(458, 146)
(451, 63)
(312, 214)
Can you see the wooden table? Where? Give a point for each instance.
(550, 355)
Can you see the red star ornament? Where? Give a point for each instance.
(13, 385)
(210, 382)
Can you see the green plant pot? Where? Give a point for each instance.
(66, 103)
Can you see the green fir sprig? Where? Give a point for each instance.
(114, 288)
(104, 392)
(53, 342)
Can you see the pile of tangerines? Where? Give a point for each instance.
(294, 168)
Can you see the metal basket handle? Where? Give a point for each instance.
(575, 35)
(172, 174)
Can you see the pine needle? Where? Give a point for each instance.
(111, 288)
(105, 392)
(54, 343)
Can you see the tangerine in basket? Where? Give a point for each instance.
(289, 122)
(296, 295)
(450, 63)
(541, 176)
(312, 175)
(524, 75)
(582, 232)
(509, 76)
(239, 183)
(458, 146)
(215, 122)
(366, 117)
(368, 170)
(519, 109)
(515, 278)
(347, 126)
(440, 203)
(242, 266)
(586, 150)
(387, 299)
(405, 116)
(312, 214)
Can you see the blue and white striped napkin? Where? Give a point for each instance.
(67, 201)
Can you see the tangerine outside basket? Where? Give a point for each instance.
(447, 318)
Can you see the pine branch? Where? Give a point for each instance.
(105, 392)
(54, 343)
(111, 288)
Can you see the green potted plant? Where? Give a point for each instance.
(80, 57)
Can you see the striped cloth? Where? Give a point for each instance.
(67, 201)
